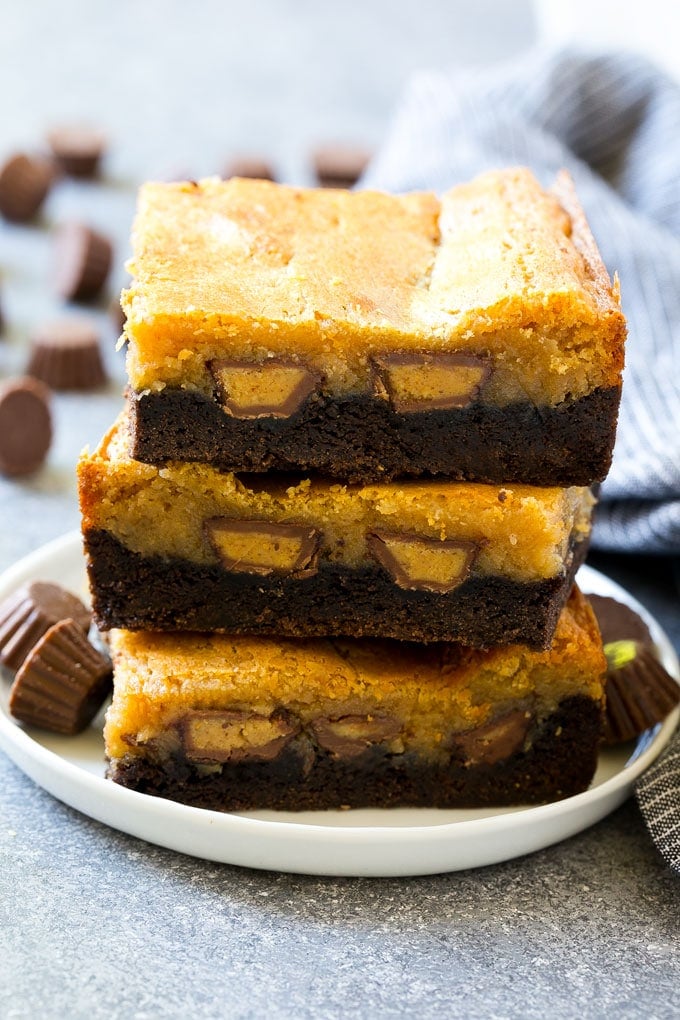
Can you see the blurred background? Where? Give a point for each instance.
(179, 86)
(183, 90)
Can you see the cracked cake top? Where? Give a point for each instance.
(498, 266)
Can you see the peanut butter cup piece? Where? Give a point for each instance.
(25, 426)
(65, 354)
(249, 166)
(236, 736)
(24, 184)
(618, 622)
(351, 735)
(424, 564)
(29, 613)
(273, 389)
(77, 149)
(429, 382)
(62, 683)
(82, 261)
(117, 316)
(261, 547)
(339, 166)
(640, 692)
(494, 741)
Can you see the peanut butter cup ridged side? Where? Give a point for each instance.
(28, 613)
(62, 682)
(65, 355)
(640, 692)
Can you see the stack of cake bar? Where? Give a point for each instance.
(335, 530)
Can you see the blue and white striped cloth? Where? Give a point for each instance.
(658, 796)
(614, 122)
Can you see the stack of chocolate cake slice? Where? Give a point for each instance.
(336, 527)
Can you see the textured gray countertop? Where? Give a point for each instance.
(94, 923)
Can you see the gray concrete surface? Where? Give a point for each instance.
(95, 924)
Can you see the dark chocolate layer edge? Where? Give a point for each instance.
(560, 762)
(361, 439)
(140, 592)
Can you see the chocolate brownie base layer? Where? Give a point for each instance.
(361, 439)
(137, 592)
(559, 762)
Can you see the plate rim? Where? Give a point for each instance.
(32, 757)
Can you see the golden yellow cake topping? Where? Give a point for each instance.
(249, 271)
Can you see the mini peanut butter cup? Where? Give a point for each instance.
(65, 354)
(339, 166)
(25, 426)
(63, 682)
(77, 149)
(423, 564)
(618, 621)
(415, 382)
(249, 166)
(82, 261)
(29, 612)
(351, 735)
(640, 693)
(496, 740)
(117, 316)
(213, 736)
(24, 184)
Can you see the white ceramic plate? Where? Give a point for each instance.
(363, 842)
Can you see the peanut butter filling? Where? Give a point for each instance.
(274, 389)
(519, 532)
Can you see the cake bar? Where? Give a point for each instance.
(235, 723)
(370, 336)
(187, 547)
